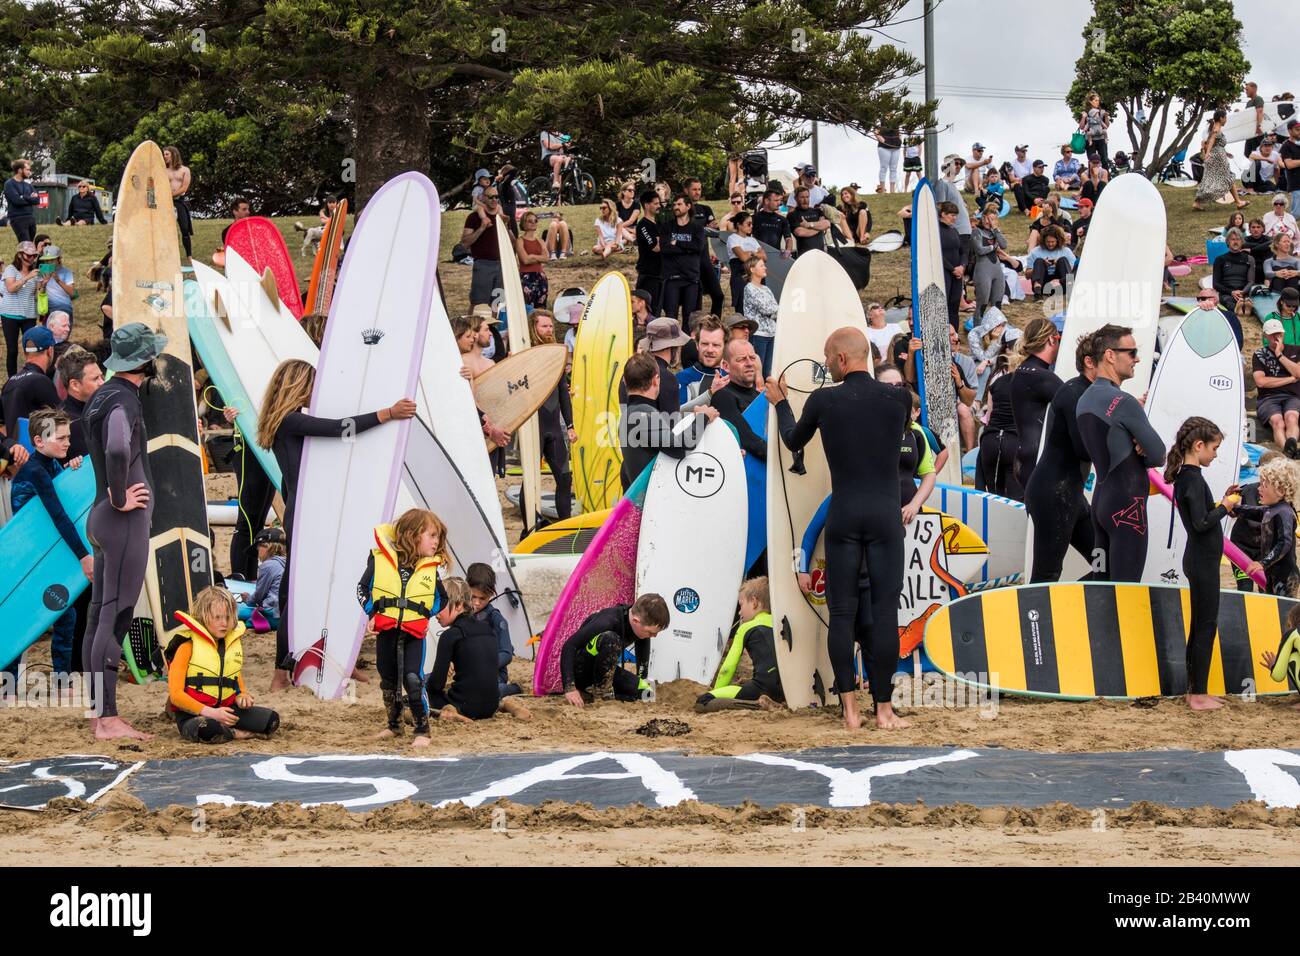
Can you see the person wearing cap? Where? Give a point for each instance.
(1288, 301)
(84, 208)
(945, 190)
(1094, 180)
(974, 166)
(118, 524)
(663, 338)
(649, 258)
(272, 562)
(1279, 220)
(482, 180)
(1079, 227)
(1033, 189)
(641, 313)
(1276, 370)
(30, 387)
(646, 427)
(1263, 167)
(739, 326)
(480, 236)
(681, 246)
(1019, 167)
(1289, 161)
(22, 200)
(808, 177)
(18, 287)
(1065, 173)
(60, 282)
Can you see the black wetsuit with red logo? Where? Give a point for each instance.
(1113, 427)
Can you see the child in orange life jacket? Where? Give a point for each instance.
(400, 591)
(205, 683)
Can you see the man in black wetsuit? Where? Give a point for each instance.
(742, 363)
(710, 284)
(681, 244)
(1122, 445)
(118, 525)
(649, 262)
(860, 421)
(1054, 492)
(1033, 384)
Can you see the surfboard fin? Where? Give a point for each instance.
(819, 688)
(785, 633)
(220, 308)
(269, 286)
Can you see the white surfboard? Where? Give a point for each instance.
(1119, 280)
(1002, 524)
(528, 436)
(691, 552)
(930, 303)
(435, 484)
(1241, 123)
(445, 403)
(1200, 373)
(818, 299)
(370, 358)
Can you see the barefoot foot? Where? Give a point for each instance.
(420, 741)
(385, 734)
(516, 709)
(1203, 702)
(886, 719)
(280, 681)
(113, 728)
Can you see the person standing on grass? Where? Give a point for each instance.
(480, 236)
(22, 200)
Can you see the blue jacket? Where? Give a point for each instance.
(267, 593)
(35, 479)
(22, 200)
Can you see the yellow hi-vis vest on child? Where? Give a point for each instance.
(396, 603)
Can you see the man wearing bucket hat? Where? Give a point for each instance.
(663, 337)
(118, 525)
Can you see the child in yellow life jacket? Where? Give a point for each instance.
(753, 634)
(205, 683)
(400, 591)
(1286, 662)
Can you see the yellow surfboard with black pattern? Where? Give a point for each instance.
(1083, 641)
(602, 346)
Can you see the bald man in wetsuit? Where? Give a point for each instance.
(860, 421)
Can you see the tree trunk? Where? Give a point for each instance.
(392, 134)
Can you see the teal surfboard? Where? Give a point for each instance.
(221, 371)
(755, 416)
(40, 577)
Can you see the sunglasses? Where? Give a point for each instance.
(736, 202)
(488, 197)
(1133, 353)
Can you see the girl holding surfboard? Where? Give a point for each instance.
(283, 428)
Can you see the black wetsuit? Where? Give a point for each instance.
(731, 401)
(1245, 535)
(1054, 493)
(1112, 425)
(860, 421)
(1201, 558)
(554, 419)
(680, 251)
(1276, 544)
(115, 432)
(29, 389)
(1032, 386)
(590, 658)
(709, 281)
(289, 438)
(1000, 442)
(471, 646)
(649, 262)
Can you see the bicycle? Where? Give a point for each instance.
(576, 186)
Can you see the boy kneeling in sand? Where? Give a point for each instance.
(470, 646)
(752, 634)
(205, 683)
(589, 660)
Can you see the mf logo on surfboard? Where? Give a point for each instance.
(700, 475)
(371, 336)
(512, 387)
(686, 600)
(1220, 382)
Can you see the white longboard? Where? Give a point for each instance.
(370, 358)
(819, 298)
(1200, 373)
(528, 436)
(1119, 280)
(691, 553)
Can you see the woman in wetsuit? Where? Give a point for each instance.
(283, 427)
(1033, 384)
(999, 442)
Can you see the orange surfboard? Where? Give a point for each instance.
(320, 290)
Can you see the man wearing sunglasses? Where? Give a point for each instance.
(480, 235)
(1122, 445)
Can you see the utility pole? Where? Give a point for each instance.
(931, 137)
(816, 159)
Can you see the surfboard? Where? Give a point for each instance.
(934, 360)
(755, 416)
(690, 554)
(1119, 280)
(320, 288)
(436, 485)
(820, 299)
(1264, 305)
(605, 576)
(1200, 374)
(541, 579)
(258, 241)
(1240, 124)
(369, 359)
(1081, 641)
(536, 384)
(445, 403)
(147, 288)
(1230, 550)
(570, 536)
(603, 344)
(545, 504)
(999, 522)
(513, 389)
(886, 242)
(40, 577)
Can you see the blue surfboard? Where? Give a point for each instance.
(40, 577)
(756, 482)
(221, 371)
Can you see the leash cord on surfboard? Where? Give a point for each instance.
(785, 488)
(240, 444)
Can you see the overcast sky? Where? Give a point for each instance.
(1030, 47)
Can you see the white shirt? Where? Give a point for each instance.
(736, 241)
(1022, 168)
(816, 196)
(1275, 224)
(881, 337)
(1267, 167)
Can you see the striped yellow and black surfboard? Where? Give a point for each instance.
(1080, 641)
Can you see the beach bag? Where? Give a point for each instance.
(1078, 142)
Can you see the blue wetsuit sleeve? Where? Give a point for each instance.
(44, 486)
(810, 537)
(505, 650)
